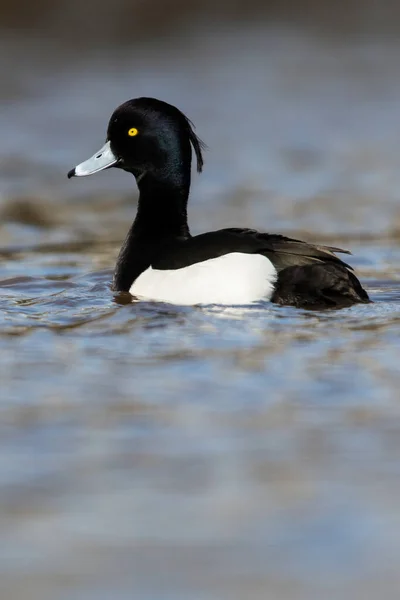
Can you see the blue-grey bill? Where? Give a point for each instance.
(103, 159)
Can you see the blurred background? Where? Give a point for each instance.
(159, 452)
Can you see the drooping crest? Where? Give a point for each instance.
(197, 143)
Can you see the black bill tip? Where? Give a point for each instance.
(71, 173)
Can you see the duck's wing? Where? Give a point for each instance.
(287, 252)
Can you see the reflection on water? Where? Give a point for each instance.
(201, 453)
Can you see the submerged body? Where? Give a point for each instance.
(161, 261)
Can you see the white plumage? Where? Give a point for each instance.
(234, 278)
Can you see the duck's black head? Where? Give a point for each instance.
(146, 136)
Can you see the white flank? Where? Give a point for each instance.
(234, 278)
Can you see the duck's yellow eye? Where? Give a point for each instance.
(132, 132)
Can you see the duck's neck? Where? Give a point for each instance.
(161, 216)
(162, 207)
